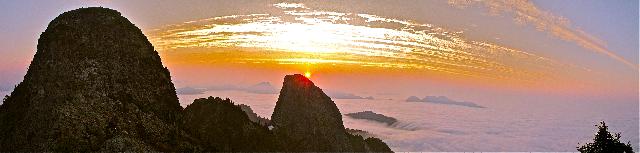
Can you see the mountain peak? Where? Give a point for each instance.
(306, 119)
(298, 80)
(95, 80)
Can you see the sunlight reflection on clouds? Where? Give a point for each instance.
(399, 44)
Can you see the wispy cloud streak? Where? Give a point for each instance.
(525, 12)
(356, 39)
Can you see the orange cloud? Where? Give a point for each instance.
(348, 42)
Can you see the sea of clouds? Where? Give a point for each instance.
(511, 126)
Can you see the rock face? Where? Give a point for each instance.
(253, 116)
(223, 126)
(306, 119)
(83, 89)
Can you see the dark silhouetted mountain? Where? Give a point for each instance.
(223, 126)
(443, 100)
(369, 115)
(95, 82)
(358, 132)
(375, 145)
(306, 119)
(253, 116)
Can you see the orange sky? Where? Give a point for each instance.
(409, 47)
(333, 45)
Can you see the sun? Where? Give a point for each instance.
(307, 74)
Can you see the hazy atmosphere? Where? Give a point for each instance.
(457, 75)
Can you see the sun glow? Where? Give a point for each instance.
(301, 35)
(307, 74)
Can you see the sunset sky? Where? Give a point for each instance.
(476, 50)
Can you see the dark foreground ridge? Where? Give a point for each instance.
(97, 84)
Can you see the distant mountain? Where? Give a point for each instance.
(413, 99)
(190, 91)
(223, 87)
(96, 84)
(443, 100)
(369, 115)
(306, 119)
(259, 88)
(342, 95)
(262, 88)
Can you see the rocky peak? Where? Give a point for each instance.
(306, 119)
(95, 80)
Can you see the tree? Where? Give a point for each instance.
(605, 142)
(5, 98)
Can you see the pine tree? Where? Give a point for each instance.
(606, 142)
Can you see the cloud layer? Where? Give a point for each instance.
(546, 126)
